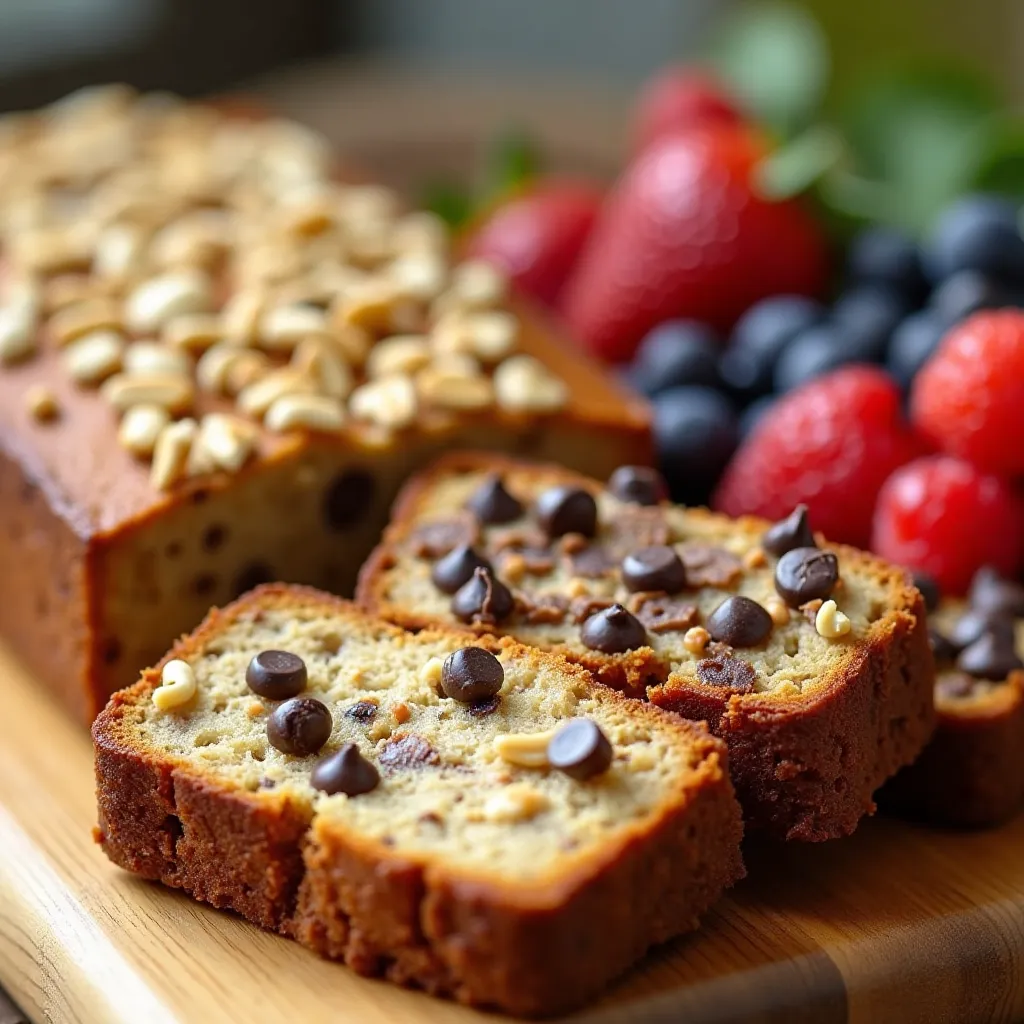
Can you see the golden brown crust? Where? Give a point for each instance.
(530, 948)
(805, 766)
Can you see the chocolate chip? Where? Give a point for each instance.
(709, 566)
(990, 592)
(726, 673)
(806, 574)
(251, 576)
(483, 599)
(483, 708)
(992, 655)
(362, 711)
(562, 510)
(739, 622)
(300, 726)
(929, 590)
(661, 615)
(542, 609)
(408, 751)
(457, 568)
(613, 631)
(348, 499)
(654, 568)
(974, 623)
(942, 647)
(591, 562)
(492, 503)
(214, 536)
(638, 485)
(471, 674)
(276, 675)
(345, 771)
(792, 532)
(580, 749)
(436, 539)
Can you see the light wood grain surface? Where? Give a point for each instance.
(896, 924)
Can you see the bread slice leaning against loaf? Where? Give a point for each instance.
(450, 854)
(819, 705)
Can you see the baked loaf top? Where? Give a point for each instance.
(464, 785)
(188, 293)
(677, 619)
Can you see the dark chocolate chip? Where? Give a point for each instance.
(300, 726)
(491, 502)
(345, 771)
(251, 576)
(973, 623)
(437, 538)
(580, 749)
(654, 568)
(362, 711)
(214, 536)
(408, 751)
(992, 655)
(483, 708)
(661, 615)
(709, 566)
(942, 647)
(457, 568)
(990, 592)
(471, 674)
(562, 510)
(591, 562)
(806, 574)
(739, 622)
(276, 675)
(638, 485)
(613, 630)
(726, 673)
(483, 599)
(348, 499)
(929, 590)
(792, 532)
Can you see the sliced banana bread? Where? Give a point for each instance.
(972, 772)
(811, 660)
(484, 822)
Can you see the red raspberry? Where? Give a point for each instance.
(969, 397)
(830, 444)
(947, 518)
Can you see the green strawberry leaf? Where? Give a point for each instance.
(452, 203)
(797, 165)
(1000, 165)
(512, 163)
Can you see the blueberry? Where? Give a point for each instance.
(889, 257)
(966, 292)
(912, 343)
(676, 352)
(814, 352)
(866, 317)
(758, 338)
(751, 416)
(977, 233)
(696, 432)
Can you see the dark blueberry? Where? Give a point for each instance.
(471, 674)
(942, 647)
(695, 432)
(977, 233)
(806, 574)
(890, 257)
(276, 675)
(676, 352)
(911, 345)
(752, 415)
(740, 622)
(346, 771)
(561, 510)
(654, 568)
(929, 590)
(300, 726)
(580, 749)
(966, 292)
(613, 630)
(866, 318)
(816, 351)
(792, 532)
(748, 363)
(492, 503)
(638, 485)
(456, 568)
(483, 599)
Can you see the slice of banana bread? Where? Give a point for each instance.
(811, 660)
(484, 822)
(972, 773)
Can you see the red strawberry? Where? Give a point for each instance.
(537, 237)
(683, 235)
(829, 444)
(679, 98)
(947, 518)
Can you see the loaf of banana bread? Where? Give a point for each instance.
(216, 366)
(811, 660)
(481, 821)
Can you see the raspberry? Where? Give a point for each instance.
(830, 444)
(969, 397)
(947, 518)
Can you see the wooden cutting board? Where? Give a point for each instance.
(896, 924)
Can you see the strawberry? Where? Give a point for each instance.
(684, 235)
(679, 98)
(537, 237)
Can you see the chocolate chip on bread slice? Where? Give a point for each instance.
(971, 774)
(475, 818)
(810, 659)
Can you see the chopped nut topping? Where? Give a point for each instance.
(514, 803)
(696, 639)
(171, 453)
(151, 357)
(140, 428)
(94, 357)
(42, 403)
(157, 300)
(527, 750)
(524, 384)
(388, 402)
(400, 354)
(175, 392)
(830, 622)
(305, 412)
(85, 317)
(177, 686)
(777, 609)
